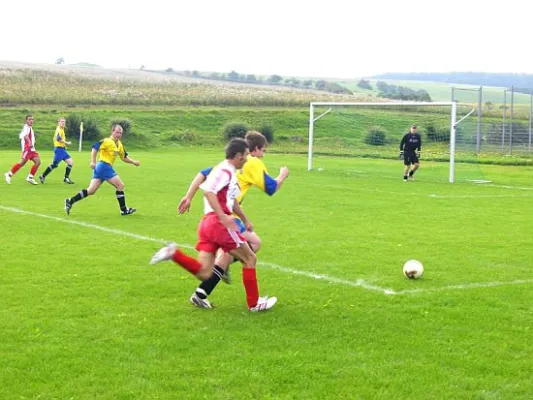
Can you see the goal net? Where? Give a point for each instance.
(374, 130)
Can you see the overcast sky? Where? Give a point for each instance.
(328, 38)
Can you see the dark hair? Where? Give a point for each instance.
(28, 116)
(413, 126)
(255, 139)
(234, 147)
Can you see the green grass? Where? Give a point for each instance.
(84, 316)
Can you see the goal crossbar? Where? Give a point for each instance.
(453, 122)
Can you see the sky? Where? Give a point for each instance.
(328, 38)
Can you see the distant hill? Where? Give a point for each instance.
(521, 82)
(84, 64)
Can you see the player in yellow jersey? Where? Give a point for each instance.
(108, 148)
(60, 153)
(253, 173)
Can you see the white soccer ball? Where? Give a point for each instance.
(413, 269)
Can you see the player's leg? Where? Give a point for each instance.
(68, 169)
(227, 259)
(249, 278)
(201, 267)
(36, 163)
(121, 198)
(55, 163)
(407, 164)
(14, 169)
(94, 185)
(416, 164)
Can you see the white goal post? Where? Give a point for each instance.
(453, 122)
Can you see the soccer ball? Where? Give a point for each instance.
(413, 269)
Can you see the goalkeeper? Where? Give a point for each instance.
(410, 147)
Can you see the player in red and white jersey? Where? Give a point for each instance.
(218, 229)
(27, 142)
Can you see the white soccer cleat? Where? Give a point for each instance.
(32, 181)
(198, 302)
(412, 178)
(164, 254)
(264, 303)
(8, 178)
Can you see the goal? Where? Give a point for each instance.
(354, 116)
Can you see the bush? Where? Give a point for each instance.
(90, 130)
(376, 136)
(437, 134)
(268, 132)
(124, 123)
(235, 129)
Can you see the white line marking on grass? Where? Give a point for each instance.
(326, 278)
(509, 187)
(465, 286)
(481, 196)
(331, 279)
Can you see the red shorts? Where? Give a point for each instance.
(29, 155)
(212, 235)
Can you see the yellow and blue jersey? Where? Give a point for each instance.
(253, 173)
(109, 149)
(59, 135)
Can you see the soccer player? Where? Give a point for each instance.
(218, 229)
(108, 148)
(410, 147)
(253, 173)
(27, 142)
(60, 153)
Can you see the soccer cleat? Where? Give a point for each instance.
(198, 302)
(8, 178)
(164, 254)
(127, 211)
(264, 303)
(41, 178)
(68, 206)
(226, 277)
(412, 178)
(66, 180)
(32, 181)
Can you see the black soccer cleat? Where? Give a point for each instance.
(68, 206)
(128, 211)
(67, 180)
(41, 178)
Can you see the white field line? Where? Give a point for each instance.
(326, 278)
(480, 196)
(330, 279)
(508, 187)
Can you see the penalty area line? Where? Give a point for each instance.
(330, 279)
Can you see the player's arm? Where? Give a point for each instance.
(237, 209)
(402, 142)
(61, 138)
(258, 176)
(185, 203)
(129, 160)
(94, 151)
(283, 174)
(227, 220)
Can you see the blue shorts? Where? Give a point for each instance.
(242, 228)
(103, 171)
(60, 154)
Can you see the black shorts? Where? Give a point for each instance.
(409, 159)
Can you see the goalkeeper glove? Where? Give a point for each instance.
(418, 154)
(400, 156)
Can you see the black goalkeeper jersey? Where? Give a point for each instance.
(410, 143)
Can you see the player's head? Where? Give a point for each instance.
(61, 122)
(116, 131)
(29, 119)
(256, 142)
(237, 151)
(413, 128)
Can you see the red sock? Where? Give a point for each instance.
(15, 168)
(249, 280)
(190, 264)
(34, 169)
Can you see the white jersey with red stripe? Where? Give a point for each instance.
(27, 138)
(223, 182)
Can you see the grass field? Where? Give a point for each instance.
(85, 317)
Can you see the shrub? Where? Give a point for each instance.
(235, 129)
(437, 134)
(268, 132)
(376, 136)
(124, 123)
(90, 130)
